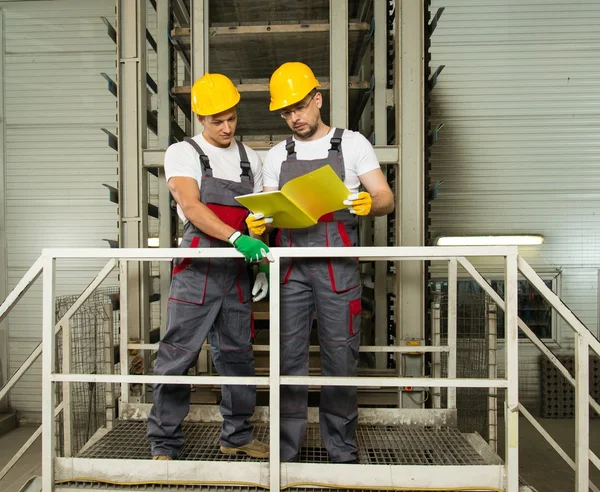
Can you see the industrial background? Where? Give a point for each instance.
(506, 106)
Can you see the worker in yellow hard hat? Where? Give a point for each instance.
(210, 298)
(331, 287)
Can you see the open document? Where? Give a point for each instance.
(301, 201)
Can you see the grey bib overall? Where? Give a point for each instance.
(209, 298)
(332, 288)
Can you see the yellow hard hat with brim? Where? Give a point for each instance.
(291, 83)
(213, 93)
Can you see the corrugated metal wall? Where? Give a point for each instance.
(519, 152)
(56, 156)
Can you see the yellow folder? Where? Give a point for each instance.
(301, 201)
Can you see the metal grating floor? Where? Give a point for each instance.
(380, 445)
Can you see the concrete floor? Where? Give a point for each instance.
(540, 465)
(30, 463)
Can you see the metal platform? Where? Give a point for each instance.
(377, 445)
(425, 458)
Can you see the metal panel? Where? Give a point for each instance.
(515, 74)
(56, 158)
(518, 152)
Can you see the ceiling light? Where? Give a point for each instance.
(516, 240)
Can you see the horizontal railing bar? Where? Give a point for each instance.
(285, 380)
(383, 253)
(316, 348)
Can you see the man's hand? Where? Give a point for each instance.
(359, 203)
(261, 284)
(252, 249)
(257, 223)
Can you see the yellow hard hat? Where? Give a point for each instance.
(213, 93)
(291, 83)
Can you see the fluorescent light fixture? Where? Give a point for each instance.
(516, 240)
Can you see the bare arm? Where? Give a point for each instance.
(376, 185)
(187, 195)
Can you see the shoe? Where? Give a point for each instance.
(161, 457)
(254, 448)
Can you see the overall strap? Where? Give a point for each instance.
(290, 147)
(204, 161)
(335, 151)
(245, 164)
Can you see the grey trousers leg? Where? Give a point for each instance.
(231, 348)
(227, 322)
(338, 322)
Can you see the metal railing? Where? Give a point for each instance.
(455, 256)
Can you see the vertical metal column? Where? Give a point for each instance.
(48, 356)
(380, 223)
(66, 389)
(452, 312)
(338, 63)
(274, 377)
(133, 179)
(492, 323)
(109, 363)
(511, 406)
(124, 339)
(582, 414)
(164, 132)
(199, 45)
(4, 331)
(410, 205)
(436, 328)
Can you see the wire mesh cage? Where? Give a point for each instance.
(472, 356)
(93, 327)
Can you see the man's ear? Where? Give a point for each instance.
(200, 119)
(319, 100)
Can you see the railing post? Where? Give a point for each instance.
(436, 326)
(66, 390)
(582, 414)
(48, 356)
(511, 406)
(124, 329)
(452, 308)
(274, 372)
(109, 363)
(492, 324)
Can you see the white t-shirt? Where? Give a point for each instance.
(359, 157)
(182, 160)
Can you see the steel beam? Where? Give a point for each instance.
(338, 63)
(4, 328)
(133, 179)
(386, 155)
(164, 131)
(511, 405)
(48, 367)
(380, 233)
(409, 81)
(200, 44)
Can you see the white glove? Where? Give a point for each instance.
(261, 287)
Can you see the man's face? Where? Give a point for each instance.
(303, 117)
(219, 129)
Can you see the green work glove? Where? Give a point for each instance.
(252, 249)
